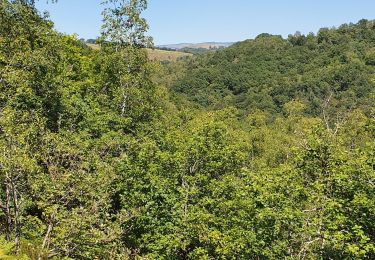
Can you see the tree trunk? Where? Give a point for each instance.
(46, 239)
(16, 217)
(7, 209)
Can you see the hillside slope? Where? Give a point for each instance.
(333, 69)
(155, 54)
(164, 55)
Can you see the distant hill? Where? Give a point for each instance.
(334, 67)
(204, 45)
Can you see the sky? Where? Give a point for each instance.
(194, 21)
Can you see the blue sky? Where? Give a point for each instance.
(177, 21)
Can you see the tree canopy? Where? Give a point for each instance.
(263, 150)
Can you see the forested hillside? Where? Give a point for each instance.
(263, 150)
(336, 66)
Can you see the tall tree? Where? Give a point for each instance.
(123, 24)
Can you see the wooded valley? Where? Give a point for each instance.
(262, 150)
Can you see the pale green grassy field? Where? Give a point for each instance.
(163, 55)
(155, 54)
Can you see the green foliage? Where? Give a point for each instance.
(6, 251)
(264, 150)
(123, 23)
(331, 68)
